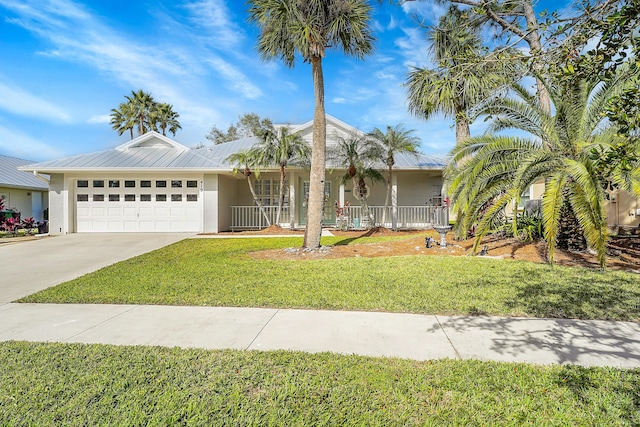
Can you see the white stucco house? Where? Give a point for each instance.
(22, 191)
(153, 183)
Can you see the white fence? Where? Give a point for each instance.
(250, 217)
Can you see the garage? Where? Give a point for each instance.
(137, 205)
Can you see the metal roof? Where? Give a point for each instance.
(10, 176)
(153, 151)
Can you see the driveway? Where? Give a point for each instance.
(39, 264)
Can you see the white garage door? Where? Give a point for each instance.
(134, 205)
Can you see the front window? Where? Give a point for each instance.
(268, 192)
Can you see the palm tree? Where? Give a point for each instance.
(464, 75)
(490, 172)
(395, 141)
(310, 28)
(163, 117)
(142, 105)
(244, 161)
(358, 154)
(122, 119)
(279, 147)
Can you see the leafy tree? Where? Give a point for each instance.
(309, 28)
(490, 172)
(249, 124)
(163, 117)
(246, 162)
(143, 112)
(395, 141)
(359, 154)
(463, 77)
(280, 147)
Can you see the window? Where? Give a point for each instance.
(176, 197)
(145, 184)
(130, 184)
(114, 183)
(161, 197)
(268, 191)
(82, 198)
(192, 184)
(176, 184)
(145, 197)
(83, 184)
(98, 183)
(114, 197)
(524, 198)
(192, 197)
(129, 197)
(161, 184)
(98, 197)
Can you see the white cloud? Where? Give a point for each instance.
(214, 18)
(17, 101)
(17, 144)
(236, 78)
(103, 118)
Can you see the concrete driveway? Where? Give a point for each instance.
(32, 266)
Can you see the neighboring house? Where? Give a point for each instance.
(21, 191)
(152, 183)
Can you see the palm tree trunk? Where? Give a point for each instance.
(462, 130)
(315, 208)
(533, 39)
(281, 198)
(257, 201)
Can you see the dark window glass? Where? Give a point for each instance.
(145, 184)
(192, 197)
(176, 197)
(83, 197)
(114, 197)
(129, 197)
(176, 184)
(98, 197)
(161, 197)
(98, 183)
(192, 184)
(83, 184)
(145, 197)
(114, 183)
(161, 184)
(130, 184)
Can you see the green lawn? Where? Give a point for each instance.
(217, 272)
(73, 384)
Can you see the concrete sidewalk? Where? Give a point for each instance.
(412, 336)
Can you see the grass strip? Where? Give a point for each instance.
(78, 384)
(218, 272)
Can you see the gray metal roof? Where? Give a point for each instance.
(10, 176)
(155, 152)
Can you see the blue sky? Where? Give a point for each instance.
(65, 64)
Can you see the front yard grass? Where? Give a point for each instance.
(218, 272)
(78, 384)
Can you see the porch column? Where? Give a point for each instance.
(394, 202)
(292, 200)
(341, 194)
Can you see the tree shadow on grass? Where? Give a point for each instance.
(349, 240)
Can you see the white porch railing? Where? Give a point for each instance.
(251, 218)
(417, 217)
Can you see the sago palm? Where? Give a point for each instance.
(490, 172)
(310, 28)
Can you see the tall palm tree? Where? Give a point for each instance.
(490, 172)
(279, 147)
(395, 141)
(245, 162)
(123, 119)
(163, 117)
(463, 77)
(310, 28)
(359, 155)
(142, 105)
